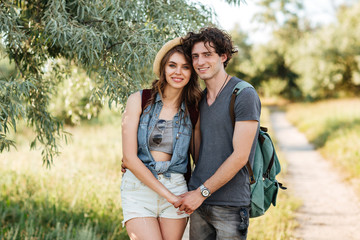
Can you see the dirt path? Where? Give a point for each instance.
(330, 208)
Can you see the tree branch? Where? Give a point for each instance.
(18, 64)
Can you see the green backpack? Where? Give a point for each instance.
(264, 187)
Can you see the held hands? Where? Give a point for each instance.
(173, 199)
(189, 201)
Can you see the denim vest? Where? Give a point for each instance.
(181, 140)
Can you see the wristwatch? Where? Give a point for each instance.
(205, 192)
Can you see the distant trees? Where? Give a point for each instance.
(302, 62)
(237, 66)
(269, 62)
(328, 59)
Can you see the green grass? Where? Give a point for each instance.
(279, 221)
(334, 128)
(78, 198)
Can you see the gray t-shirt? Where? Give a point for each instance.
(216, 143)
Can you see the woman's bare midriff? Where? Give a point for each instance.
(160, 156)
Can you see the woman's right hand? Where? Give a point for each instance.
(123, 168)
(173, 199)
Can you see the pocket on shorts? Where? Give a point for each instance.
(130, 183)
(178, 179)
(177, 185)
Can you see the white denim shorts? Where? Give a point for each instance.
(138, 200)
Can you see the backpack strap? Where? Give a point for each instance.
(261, 141)
(194, 115)
(236, 91)
(145, 96)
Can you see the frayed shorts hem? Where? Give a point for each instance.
(129, 218)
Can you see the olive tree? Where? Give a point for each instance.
(113, 41)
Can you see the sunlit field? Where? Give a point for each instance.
(79, 197)
(66, 57)
(334, 128)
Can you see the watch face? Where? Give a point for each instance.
(205, 192)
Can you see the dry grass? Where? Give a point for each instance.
(78, 198)
(333, 126)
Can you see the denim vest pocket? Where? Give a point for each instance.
(183, 140)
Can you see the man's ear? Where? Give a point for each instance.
(223, 57)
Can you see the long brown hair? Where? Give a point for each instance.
(191, 93)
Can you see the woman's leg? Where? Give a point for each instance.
(143, 228)
(172, 229)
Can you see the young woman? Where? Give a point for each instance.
(155, 146)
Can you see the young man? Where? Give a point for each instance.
(219, 196)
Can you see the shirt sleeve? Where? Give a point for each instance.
(247, 105)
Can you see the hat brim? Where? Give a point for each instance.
(159, 56)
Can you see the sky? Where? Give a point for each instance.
(318, 11)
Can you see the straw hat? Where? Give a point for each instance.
(159, 56)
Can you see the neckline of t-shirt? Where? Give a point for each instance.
(218, 97)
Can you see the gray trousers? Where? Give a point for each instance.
(214, 222)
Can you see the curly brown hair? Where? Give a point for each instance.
(216, 38)
(191, 93)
